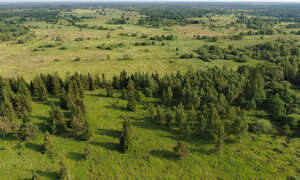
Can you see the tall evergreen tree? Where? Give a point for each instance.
(126, 137)
(57, 120)
(131, 104)
(47, 146)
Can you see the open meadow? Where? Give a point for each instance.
(149, 91)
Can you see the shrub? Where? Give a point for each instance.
(261, 126)
(180, 150)
(186, 56)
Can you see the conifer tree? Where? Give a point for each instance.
(131, 103)
(167, 96)
(180, 150)
(123, 95)
(35, 176)
(202, 122)
(180, 115)
(161, 116)
(28, 130)
(65, 100)
(240, 125)
(48, 143)
(42, 93)
(88, 152)
(170, 117)
(7, 110)
(57, 120)
(109, 91)
(63, 172)
(55, 84)
(152, 111)
(126, 137)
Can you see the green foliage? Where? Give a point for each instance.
(126, 137)
(181, 150)
(28, 130)
(131, 104)
(57, 120)
(47, 146)
(63, 172)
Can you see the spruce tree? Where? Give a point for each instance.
(131, 103)
(42, 93)
(126, 137)
(28, 130)
(63, 172)
(88, 152)
(161, 116)
(180, 150)
(152, 112)
(47, 146)
(57, 120)
(170, 117)
(65, 100)
(123, 95)
(180, 115)
(109, 91)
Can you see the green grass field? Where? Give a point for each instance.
(21, 59)
(257, 156)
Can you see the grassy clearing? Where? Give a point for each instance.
(21, 59)
(257, 156)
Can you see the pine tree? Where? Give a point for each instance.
(152, 111)
(131, 103)
(126, 137)
(57, 120)
(123, 95)
(48, 143)
(55, 84)
(4, 127)
(180, 116)
(79, 123)
(202, 122)
(170, 117)
(219, 134)
(161, 116)
(28, 130)
(180, 150)
(7, 110)
(65, 100)
(88, 152)
(109, 91)
(63, 172)
(42, 93)
(277, 108)
(167, 96)
(240, 125)
(35, 176)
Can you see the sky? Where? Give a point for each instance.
(150, 0)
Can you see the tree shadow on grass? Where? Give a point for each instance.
(107, 145)
(98, 95)
(42, 118)
(49, 174)
(9, 137)
(163, 154)
(76, 156)
(109, 132)
(35, 147)
(147, 125)
(43, 127)
(203, 151)
(115, 107)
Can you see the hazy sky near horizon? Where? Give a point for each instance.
(150, 0)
